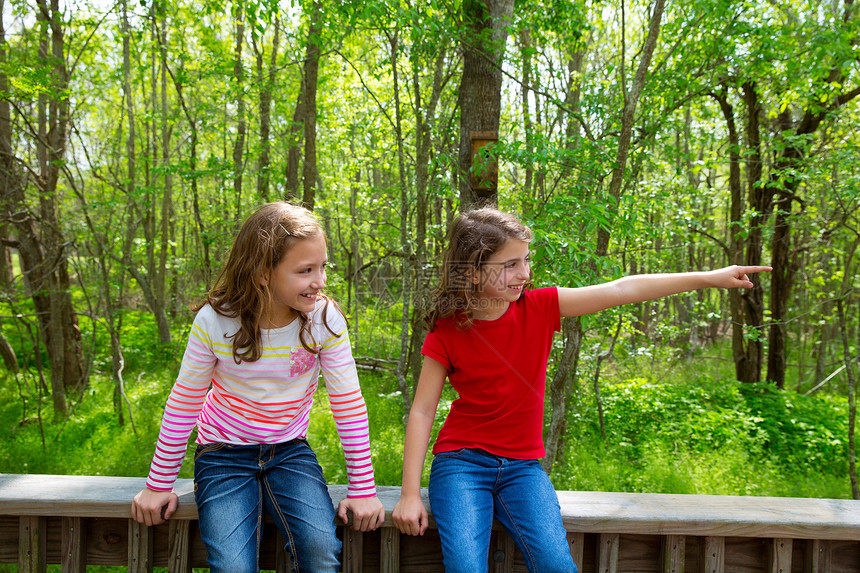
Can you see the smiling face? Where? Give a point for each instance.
(295, 281)
(502, 277)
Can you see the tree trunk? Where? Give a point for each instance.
(562, 383)
(561, 388)
(760, 200)
(60, 330)
(479, 97)
(741, 348)
(784, 183)
(9, 175)
(631, 100)
(294, 138)
(267, 83)
(160, 272)
(849, 361)
(424, 119)
(239, 142)
(309, 91)
(526, 56)
(203, 234)
(780, 286)
(405, 245)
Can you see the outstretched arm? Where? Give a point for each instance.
(410, 516)
(639, 288)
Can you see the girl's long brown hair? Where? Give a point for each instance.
(262, 242)
(474, 237)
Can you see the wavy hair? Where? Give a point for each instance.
(474, 237)
(263, 241)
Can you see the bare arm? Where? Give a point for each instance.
(410, 515)
(639, 288)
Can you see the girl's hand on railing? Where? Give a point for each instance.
(410, 515)
(154, 507)
(368, 513)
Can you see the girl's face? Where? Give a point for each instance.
(296, 281)
(505, 273)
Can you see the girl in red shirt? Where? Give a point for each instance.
(491, 338)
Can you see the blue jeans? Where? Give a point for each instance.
(470, 487)
(235, 485)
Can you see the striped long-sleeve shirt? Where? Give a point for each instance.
(263, 402)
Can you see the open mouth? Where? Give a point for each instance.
(309, 296)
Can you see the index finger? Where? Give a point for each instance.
(423, 522)
(755, 269)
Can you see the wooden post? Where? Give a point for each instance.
(673, 553)
(779, 556)
(32, 544)
(353, 542)
(389, 550)
(576, 542)
(283, 559)
(714, 555)
(178, 560)
(73, 545)
(607, 553)
(140, 542)
(818, 556)
(502, 553)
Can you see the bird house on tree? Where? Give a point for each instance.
(484, 170)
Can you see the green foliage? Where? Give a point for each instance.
(690, 430)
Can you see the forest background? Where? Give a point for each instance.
(631, 136)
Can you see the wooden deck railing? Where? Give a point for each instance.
(79, 520)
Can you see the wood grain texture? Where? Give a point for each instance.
(32, 544)
(140, 547)
(817, 556)
(779, 556)
(178, 555)
(598, 512)
(352, 550)
(607, 553)
(73, 546)
(79, 521)
(673, 553)
(714, 555)
(576, 542)
(390, 550)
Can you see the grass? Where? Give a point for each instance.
(685, 426)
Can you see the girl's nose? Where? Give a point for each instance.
(523, 272)
(319, 280)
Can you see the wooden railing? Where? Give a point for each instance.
(80, 520)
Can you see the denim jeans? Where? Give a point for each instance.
(469, 487)
(235, 485)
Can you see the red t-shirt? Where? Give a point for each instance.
(498, 367)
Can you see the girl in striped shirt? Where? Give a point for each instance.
(259, 342)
